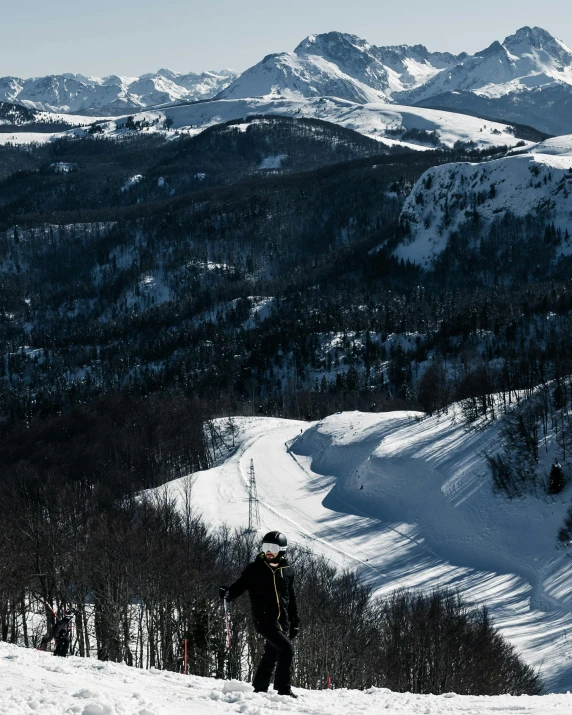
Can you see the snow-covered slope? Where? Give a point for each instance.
(372, 119)
(384, 122)
(35, 682)
(289, 75)
(77, 93)
(407, 500)
(17, 115)
(538, 182)
(340, 65)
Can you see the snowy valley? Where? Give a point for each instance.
(407, 500)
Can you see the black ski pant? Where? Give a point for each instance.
(62, 645)
(278, 651)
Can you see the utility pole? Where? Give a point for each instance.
(253, 509)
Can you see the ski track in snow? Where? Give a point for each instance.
(407, 501)
(35, 682)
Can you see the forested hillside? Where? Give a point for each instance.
(251, 268)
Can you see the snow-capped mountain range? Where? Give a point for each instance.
(511, 77)
(111, 95)
(529, 59)
(340, 65)
(527, 78)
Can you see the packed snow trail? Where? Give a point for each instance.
(407, 500)
(35, 682)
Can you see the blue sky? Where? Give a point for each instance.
(103, 37)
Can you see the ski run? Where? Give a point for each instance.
(407, 500)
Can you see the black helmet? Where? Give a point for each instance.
(275, 538)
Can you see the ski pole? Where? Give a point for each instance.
(51, 609)
(228, 637)
(227, 621)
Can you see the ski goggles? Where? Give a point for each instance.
(273, 548)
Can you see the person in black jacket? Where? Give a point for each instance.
(62, 633)
(270, 584)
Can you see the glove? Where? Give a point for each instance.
(224, 592)
(294, 630)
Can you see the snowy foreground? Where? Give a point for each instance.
(407, 500)
(34, 682)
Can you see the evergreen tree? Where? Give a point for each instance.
(556, 483)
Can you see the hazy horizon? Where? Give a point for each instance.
(134, 38)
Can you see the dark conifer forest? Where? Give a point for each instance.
(141, 265)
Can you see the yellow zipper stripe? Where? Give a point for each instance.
(275, 588)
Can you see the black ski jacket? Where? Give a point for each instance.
(63, 627)
(271, 591)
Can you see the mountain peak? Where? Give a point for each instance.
(328, 41)
(538, 39)
(492, 49)
(166, 72)
(534, 35)
(535, 42)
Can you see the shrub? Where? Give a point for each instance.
(565, 531)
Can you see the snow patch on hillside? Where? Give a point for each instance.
(133, 181)
(273, 162)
